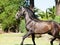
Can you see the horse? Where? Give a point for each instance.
(36, 26)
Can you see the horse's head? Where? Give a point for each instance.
(20, 13)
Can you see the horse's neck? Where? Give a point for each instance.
(27, 19)
(29, 16)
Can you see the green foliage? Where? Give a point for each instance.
(22, 26)
(48, 15)
(51, 12)
(57, 19)
(8, 9)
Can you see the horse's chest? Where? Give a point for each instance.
(30, 26)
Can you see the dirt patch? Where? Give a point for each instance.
(1, 32)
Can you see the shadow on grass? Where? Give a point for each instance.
(28, 44)
(24, 44)
(16, 44)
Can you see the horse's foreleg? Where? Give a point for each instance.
(52, 41)
(33, 39)
(25, 36)
(59, 39)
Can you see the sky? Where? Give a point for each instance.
(44, 4)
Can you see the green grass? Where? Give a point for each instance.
(16, 38)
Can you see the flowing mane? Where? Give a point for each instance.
(32, 14)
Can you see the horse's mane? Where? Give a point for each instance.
(32, 14)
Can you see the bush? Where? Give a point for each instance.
(22, 26)
(8, 12)
(57, 19)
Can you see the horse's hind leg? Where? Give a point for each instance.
(33, 39)
(25, 36)
(52, 40)
(59, 39)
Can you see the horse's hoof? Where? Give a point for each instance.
(59, 44)
(34, 44)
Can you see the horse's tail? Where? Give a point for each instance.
(58, 25)
(59, 30)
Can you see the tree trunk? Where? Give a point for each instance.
(32, 5)
(57, 3)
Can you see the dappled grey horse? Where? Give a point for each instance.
(36, 26)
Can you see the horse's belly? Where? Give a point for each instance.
(42, 28)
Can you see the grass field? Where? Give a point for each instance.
(15, 39)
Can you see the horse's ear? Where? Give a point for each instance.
(22, 8)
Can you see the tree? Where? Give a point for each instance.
(57, 3)
(51, 12)
(30, 4)
(48, 15)
(8, 9)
